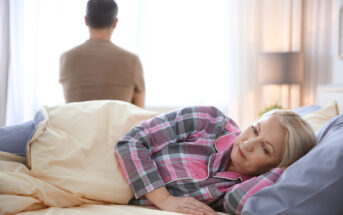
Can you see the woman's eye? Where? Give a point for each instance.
(265, 149)
(254, 130)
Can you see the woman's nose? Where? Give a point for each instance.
(248, 145)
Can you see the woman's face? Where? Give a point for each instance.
(259, 148)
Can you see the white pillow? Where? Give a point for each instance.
(318, 118)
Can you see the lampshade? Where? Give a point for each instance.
(280, 68)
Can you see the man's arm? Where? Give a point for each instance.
(139, 99)
(139, 91)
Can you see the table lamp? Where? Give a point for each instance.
(280, 68)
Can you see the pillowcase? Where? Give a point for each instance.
(302, 111)
(13, 139)
(318, 118)
(312, 185)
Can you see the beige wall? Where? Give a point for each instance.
(337, 63)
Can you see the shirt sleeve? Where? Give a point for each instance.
(136, 149)
(238, 194)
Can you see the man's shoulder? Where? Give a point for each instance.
(74, 50)
(102, 47)
(123, 51)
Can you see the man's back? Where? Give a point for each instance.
(98, 69)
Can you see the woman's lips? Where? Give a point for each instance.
(241, 153)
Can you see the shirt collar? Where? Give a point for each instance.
(226, 141)
(233, 176)
(224, 146)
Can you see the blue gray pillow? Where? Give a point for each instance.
(302, 111)
(13, 139)
(312, 185)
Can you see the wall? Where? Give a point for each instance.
(337, 63)
(4, 58)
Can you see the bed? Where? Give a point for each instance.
(88, 179)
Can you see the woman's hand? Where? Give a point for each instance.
(187, 205)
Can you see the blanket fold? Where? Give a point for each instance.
(71, 158)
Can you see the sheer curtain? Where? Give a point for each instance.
(244, 101)
(4, 57)
(198, 53)
(193, 52)
(318, 24)
(40, 31)
(185, 52)
(183, 45)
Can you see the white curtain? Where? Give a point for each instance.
(40, 31)
(258, 27)
(193, 52)
(197, 52)
(281, 25)
(185, 52)
(244, 101)
(306, 26)
(4, 57)
(317, 39)
(184, 47)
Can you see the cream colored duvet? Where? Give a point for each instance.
(72, 165)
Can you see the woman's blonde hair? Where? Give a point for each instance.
(299, 138)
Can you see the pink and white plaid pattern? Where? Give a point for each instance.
(187, 151)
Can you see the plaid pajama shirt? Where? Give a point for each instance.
(187, 151)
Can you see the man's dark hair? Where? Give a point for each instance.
(101, 13)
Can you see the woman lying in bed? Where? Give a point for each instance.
(196, 160)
